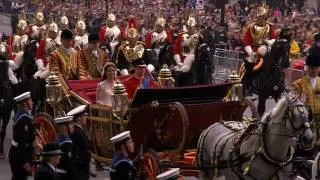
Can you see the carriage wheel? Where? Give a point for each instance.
(150, 164)
(45, 129)
(251, 113)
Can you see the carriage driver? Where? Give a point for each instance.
(80, 140)
(172, 174)
(21, 150)
(122, 167)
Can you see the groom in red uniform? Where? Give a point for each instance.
(138, 80)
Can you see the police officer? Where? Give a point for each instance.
(67, 166)
(51, 156)
(122, 167)
(172, 174)
(80, 140)
(21, 150)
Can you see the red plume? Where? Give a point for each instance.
(133, 23)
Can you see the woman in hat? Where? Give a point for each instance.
(104, 89)
(21, 150)
(122, 167)
(51, 156)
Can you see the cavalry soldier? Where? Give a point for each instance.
(46, 46)
(81, 38)
(110, 33)
(81, 142)
(67, 166)
(122, 167)
(259, 37)
(21, 150)
(90, 60)
(185, 45)
(172, 174)
(17, 42)
(51, 155)
(159, 41)
(130, 50)
(38, 30)
(138, 80)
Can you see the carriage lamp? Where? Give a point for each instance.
(165, 77)
(120, 102)
(54, 95)
(237, 87)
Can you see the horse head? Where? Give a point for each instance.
(279, 54)
(295, 120)
(28, 67)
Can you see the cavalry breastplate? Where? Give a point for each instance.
(191, 46)
(260, 33)
(133, 53)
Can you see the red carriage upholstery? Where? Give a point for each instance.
(87, 88)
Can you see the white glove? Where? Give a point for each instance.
(177, 59)
(270, 42)
(150, 68)
(12, 77)
(40, 65)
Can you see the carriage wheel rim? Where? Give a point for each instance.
(150, 166)
(45, 130)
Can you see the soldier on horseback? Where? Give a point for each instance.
(109, 34)
(158, 41)
(258, 39)
(81, 38)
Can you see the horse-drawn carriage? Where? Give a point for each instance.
(165, 123)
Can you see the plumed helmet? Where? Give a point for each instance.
(161, 22)
(132, 31)
(313, 60)
(39, 16)
(111, 17)
(53, 27)
(64, 20)
(191, 21)
(262, 11)
(81, 25)
(22, 24)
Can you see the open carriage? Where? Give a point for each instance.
(165, 123)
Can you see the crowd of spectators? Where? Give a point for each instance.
(282, 13)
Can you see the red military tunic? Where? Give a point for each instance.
(177, 49)
(41, 51)
(133, 83)
(255, 35)
(102, 34)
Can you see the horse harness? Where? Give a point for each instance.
(236, 159)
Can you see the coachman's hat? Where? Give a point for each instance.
(93, 37)
(67, 34)
(51, 149)
(313, 60)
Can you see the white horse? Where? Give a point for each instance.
(263, 151)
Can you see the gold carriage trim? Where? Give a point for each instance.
(134, 53)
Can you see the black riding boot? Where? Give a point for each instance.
(248, 91)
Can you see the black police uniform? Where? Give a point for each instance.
(67, 167)
(81, 152)
(21, 150)
(122, 168)
(45, 172)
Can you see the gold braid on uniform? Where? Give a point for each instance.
(134, 53)
(259, 32)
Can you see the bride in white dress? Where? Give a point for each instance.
(104, 89)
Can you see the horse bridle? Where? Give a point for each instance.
(291, 117)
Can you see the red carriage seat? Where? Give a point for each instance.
(87, 88)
